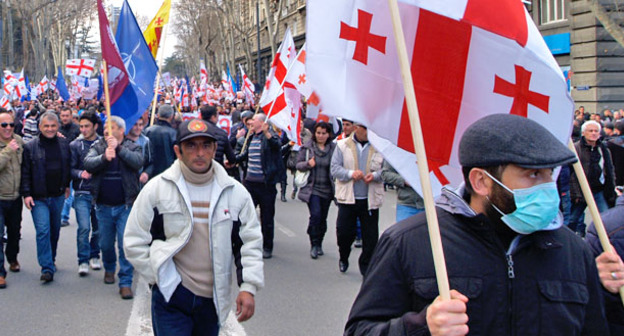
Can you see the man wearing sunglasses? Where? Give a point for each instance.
(11, 147)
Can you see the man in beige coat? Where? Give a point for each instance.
(11, 148)
(356, 169)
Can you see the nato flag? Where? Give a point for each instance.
(140, 65)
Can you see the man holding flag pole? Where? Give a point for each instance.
(513, 268)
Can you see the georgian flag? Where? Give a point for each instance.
(80, 67)
(203, 73)
(273, 98)
(20, 87)
(469, 58)
(248, 87)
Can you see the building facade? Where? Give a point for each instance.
(589, 57)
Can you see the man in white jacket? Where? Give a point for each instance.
(187, 229)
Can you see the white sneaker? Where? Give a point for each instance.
(95, 264)
(83, 269)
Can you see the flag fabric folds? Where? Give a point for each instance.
(154, 30)
(469, 58)
(61, 86)
(117, 74)
(140, 66)
(80, 67)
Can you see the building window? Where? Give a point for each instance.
(552, 11)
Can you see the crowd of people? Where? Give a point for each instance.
(152, 198)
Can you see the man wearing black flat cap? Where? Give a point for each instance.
(513, 268)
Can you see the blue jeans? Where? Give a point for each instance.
(11, 217)
(406, 211)
(85, 216)
(67, 205)
(566, 207)
(112, 223)
(317, 227)
(577, 214)
(46, 216)
(184, 314)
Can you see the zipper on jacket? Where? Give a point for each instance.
(511, 275)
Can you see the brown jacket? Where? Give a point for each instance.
(10, 169)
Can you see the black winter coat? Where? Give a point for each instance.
(614, 226)
(272, 163)
(224, 148)
(79, 150)
(584, 153)
(547, 286)
(130, 161)
(162, 138)
(34, 169)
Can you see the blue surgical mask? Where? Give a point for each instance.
(537, 208)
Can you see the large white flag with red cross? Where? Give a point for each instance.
(469, 59)
(80, 67)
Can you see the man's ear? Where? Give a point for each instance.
(178, 151)
(480, 182)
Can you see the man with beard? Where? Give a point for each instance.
(513, 268)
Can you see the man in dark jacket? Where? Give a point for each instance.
(264, 169)
(610, 264)
(45, 182)
(162, 138)
(70, 131)
(616, 147)
(88, 251)
(224, 148)
(513, 267)
(114, 165)
(598, 167)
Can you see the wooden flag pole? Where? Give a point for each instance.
(107, 99)
(155, 97)
(593, 208)
(423, 167)
(161, 46)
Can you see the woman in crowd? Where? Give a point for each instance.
(315, 156)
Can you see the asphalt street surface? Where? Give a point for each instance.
(301, 296)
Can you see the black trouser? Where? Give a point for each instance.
(264, 195)
(346, 226)
(11, 218)
(319, 207)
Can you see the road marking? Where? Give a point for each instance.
(140, 321)
(285, 231)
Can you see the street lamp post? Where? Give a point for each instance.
(258, 68)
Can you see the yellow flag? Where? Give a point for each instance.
(154, 30)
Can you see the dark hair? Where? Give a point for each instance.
(3, 110)
(323, 125)
(207, 112)
(91, 116)
(619, 125)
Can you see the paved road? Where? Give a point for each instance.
(301, 297)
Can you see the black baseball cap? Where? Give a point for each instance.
(193, 128)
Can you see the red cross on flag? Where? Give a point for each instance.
(284, 57)
(5, 103)
(203, 73)
(20, 87)
(248, 87)
(9, 77)
(80, 67)
(469, 58)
